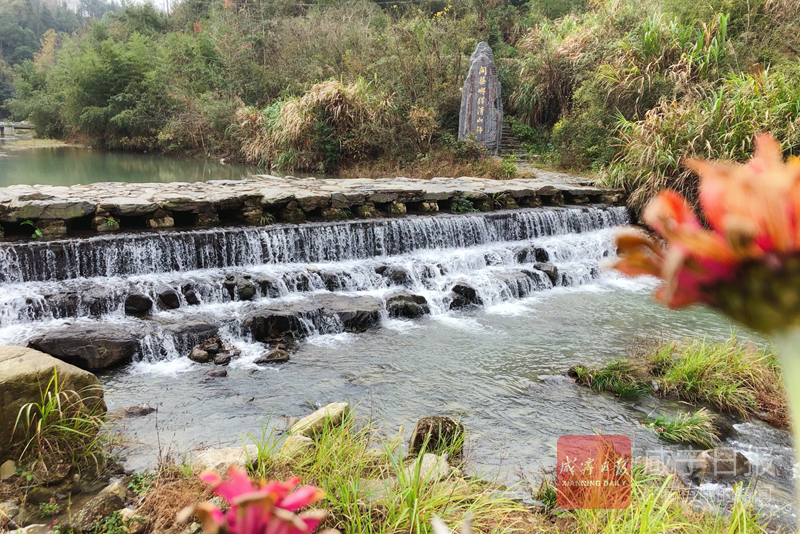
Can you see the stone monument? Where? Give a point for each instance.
(481, 106)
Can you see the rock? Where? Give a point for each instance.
(309, 200)
(441, 434)
(719, 464)
(24, 372)
(429, 207)
(132, 523)
(533, 255)
(91, 515)
(9, 511)
(376, 490)
(130, 411)
(296, 445)
(192, 297)
(367, 211)
(313, 424)
(169, 298)
(653, 467)
(481, 114)
(407, 305)
(138, 304)
(8, 470)
(464, 296)
(216, 373)
(200, 356)
(723, 427)
(397, 208)
(334, 214)
(269, 322)
(220, 460)
(92, 347)
(270, 287)
(240, 287)
(274, 356)
(432, 468)
(32, 529)
(549, 269)
(223, 358)
(396, 275)
(211, 346)
(293, 213)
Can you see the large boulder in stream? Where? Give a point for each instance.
(138, 304)
(24, 373)
(437, 434)
(407, 305)
(464, 296)
(240, 286)
(549, 269)
(269, 321)
(92, 347)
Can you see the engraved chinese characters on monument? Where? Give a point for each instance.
(481, 107)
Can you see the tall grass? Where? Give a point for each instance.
(718, 122)
(370, 487)
(657, 509)
(64, 426)
(731, 376)
(695, 428)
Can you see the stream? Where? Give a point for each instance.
(499, 366)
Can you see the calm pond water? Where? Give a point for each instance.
(70, 166)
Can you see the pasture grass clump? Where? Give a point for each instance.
(620, 377)
(695, 428)
(64, 427)
(730, 376)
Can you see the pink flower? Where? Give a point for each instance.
(746, 262)
(257, 508)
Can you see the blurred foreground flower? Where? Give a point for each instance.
(257, 508)
(746, 264)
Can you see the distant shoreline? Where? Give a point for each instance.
(28, 144)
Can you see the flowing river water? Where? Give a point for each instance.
(500, 367)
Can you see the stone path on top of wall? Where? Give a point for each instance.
(111, 206)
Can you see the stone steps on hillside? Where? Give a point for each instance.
(509, 144)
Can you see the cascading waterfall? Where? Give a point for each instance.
(498, 254)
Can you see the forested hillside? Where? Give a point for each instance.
(623, 88)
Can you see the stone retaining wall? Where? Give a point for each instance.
(112, 206)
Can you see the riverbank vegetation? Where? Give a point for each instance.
(624, 89)
(733, 376)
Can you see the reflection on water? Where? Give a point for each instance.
(70, 166)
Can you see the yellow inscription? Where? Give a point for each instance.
(482, 80)
(479, 129)
(480, 110)
(481, 100)
(482, 91)
(482, 70)
(480, 119)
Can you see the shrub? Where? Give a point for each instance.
(329, 125)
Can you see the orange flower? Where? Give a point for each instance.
(746, 262)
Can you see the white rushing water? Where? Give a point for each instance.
(80, 282)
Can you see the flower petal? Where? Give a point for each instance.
(301, 498)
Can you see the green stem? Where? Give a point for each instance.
(787, 344)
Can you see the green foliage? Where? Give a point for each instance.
(620, 377)
(656, 508)
(141, 483)
(731, 376)
(111, 524)
(49, 508)
(351, 462)
(37, 232)
(694, 428)
(64, 426)
(462, 205)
